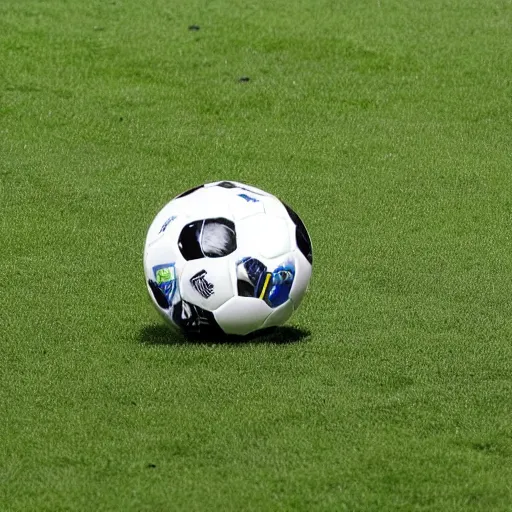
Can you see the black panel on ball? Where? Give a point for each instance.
(188, 242)
(301, 235)
(193, 320)
(218, 237)
(226, 184)
(244, 288)
(208, 238)
(159, 295)
(187, 192)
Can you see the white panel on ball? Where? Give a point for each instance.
(159, 253)
(245, 205)
(274, 207)
(206, 203)
(268, 234)
(280, 315)
(164, 222)
(242, 315)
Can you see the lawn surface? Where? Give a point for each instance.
(387, 125)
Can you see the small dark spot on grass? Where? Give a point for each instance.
(151, 465)
(244, 79)
(485, 447)
(194, 28)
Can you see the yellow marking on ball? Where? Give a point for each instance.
(265, 285)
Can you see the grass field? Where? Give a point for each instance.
(387, 125)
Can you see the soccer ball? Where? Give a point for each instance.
(227, 258)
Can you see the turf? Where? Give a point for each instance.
(387, 126)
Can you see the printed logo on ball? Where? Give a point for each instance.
(248, 198)
(166, 223)
(201, 284)
(165, 277)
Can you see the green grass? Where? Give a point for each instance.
(387, 126)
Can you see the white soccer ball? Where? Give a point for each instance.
(228, 258)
